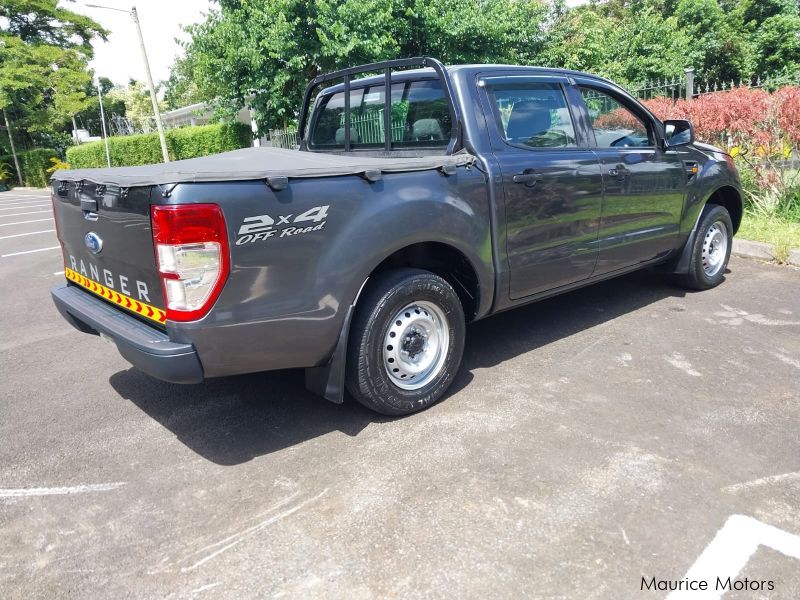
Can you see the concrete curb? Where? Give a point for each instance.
(762, 251)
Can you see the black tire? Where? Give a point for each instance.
(697, 278)
(367, 376)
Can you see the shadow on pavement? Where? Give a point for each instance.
(232, 420)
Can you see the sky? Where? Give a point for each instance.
(120, 58)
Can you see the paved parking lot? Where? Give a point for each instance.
(623, 431)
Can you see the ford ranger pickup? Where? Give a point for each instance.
(421, 198)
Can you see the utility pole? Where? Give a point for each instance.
(156, 112)
(13, 149)
(103, 121)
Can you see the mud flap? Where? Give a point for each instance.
(328, 380)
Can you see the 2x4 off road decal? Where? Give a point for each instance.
(263, 227)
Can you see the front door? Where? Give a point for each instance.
(644, 186)
(551, 182)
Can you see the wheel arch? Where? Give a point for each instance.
(440, 258)
(446, 261)
(728, 197)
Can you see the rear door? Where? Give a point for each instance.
(644, 186)
(551, 181)
(107, 244)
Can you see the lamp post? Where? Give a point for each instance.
(156, 112)
(103, 120)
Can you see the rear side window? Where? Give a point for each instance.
(420, 117)
(533, 115)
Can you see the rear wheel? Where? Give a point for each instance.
(406, 342)
(711, 249)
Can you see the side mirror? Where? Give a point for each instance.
(678, 132)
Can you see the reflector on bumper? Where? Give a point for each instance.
(135, 306)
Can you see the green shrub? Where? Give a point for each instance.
(186, 142)
(33, 164)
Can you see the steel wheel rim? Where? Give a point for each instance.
(415, 345)
(715, 248)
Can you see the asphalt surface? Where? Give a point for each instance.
(589, 441)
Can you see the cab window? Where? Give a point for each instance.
(533, 115)
(420, 117)
(614, 124)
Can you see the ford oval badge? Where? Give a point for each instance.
(93, 242)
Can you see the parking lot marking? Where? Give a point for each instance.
(23, 222)
(24, 206)
(234, 539)
(34, 212)
(679, 361)
(732, 489)
(16, 235)
(29, 251)
(24, 200)
(729, 552)
(59, 491)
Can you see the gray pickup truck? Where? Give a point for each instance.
(422, 198)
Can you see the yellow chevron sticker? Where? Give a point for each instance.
(126, 302)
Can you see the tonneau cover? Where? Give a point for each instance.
(257, 163)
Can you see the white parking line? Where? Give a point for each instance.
(24, 206)
(16, 200)
(59, 491)
(33, 212)
(6, 237)
(23, 222)
(730, 551)
(29, 251)
(24, 199)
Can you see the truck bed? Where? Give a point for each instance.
(259, 163)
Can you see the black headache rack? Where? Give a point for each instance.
(386, 66)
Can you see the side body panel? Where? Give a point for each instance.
(641, 211)
(288, 291)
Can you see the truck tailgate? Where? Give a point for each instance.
(107, 243)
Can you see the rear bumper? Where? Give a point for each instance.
(143, 346)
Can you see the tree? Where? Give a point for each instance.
(777, 46)
(44, 52)
(181, 89)
(646, 46)
(579, 39)
(271, 50)
(138, 106)
(716, 50)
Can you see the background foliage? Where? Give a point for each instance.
(269, 50)
(189, 142)
(33, 163)
(44, 54)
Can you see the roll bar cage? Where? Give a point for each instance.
(386, 66)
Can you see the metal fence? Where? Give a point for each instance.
(692, 86)
(674, 88)
(370, 128)
(284, 138)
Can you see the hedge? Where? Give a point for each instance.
(33, 164)
(186, 142)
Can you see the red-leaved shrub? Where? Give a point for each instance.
(752, 119)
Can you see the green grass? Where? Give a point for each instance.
(784, 235)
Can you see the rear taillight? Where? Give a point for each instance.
(191, 243)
